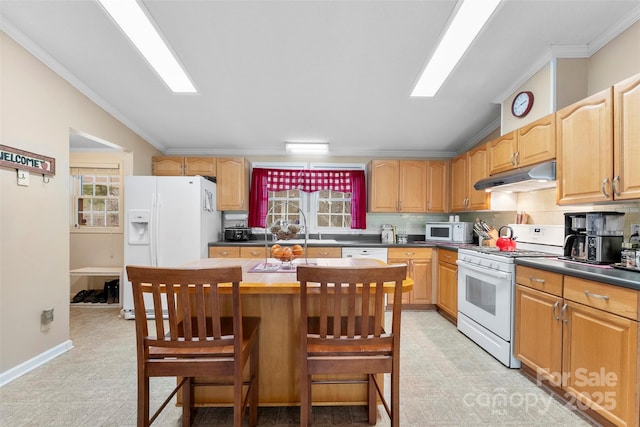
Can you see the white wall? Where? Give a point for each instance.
(38, 111)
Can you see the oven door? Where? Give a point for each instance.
(486, 296)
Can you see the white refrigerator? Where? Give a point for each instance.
(169, 221)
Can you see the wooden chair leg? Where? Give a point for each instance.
(305, 399)
(372, 396)
(187, 402)
(254, 369)
(143, 400)
(395, 399)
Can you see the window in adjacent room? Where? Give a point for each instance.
(96, 198)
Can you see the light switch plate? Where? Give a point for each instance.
(23, 178)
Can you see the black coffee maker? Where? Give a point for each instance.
(575, 236)
(593, 237)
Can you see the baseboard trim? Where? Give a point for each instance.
(17, 371)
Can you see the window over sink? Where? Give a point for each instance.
(326, 210)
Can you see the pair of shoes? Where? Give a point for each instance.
(90, 296)
(79, 297)
(112, 291)
(99, 296)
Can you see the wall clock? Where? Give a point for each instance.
(522, 104)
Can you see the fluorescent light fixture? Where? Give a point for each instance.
(469, 20)
(136, 25)
(306, 147)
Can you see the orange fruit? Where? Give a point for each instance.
(274, 247)
(297, 250)
(287, 254)
(277, 252)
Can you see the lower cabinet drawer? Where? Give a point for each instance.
(253, 252)
(614, 299)
(541, 280)
(224, 252)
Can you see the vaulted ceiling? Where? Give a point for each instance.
(336, 70)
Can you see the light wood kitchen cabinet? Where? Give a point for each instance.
(232, 192)
(459, 182)
(398, 186)
(167, 165)
(203, 166)
(626, 139)
(437, 185)
(448, 283)
(466, 170)
(525, 146)
(583, 339)
(183, 166)
(253, 252)
(419, 268)
(224, 252)
(585, 154)
(502, 153)
(324, 252)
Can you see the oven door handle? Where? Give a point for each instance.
(484, 270)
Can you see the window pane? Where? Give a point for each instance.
(112, 205)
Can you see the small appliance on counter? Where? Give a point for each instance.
(235, 227)
(575, 241)
(388, 234)
(453, 232)
(594, 237)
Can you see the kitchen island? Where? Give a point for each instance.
(273, 296)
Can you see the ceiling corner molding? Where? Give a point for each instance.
(34, 49)
(569, 51)
(613, 32)
(480, 135)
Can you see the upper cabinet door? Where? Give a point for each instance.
(413, 186)
(502, 153)
(167, 165)
(626, 138)
(459, 183)
(232, 192)
(585, 156)
(383, 185)
(437, 185)
(537, 141)
(478, 169)
(203, 166)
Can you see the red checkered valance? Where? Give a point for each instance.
(346, 181)
(308, 180)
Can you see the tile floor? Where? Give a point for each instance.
(446, 381)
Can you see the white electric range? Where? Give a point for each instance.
(486, 287)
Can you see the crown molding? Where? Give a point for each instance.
(34, 49)
(571, 51)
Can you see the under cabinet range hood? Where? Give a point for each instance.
(536, 177)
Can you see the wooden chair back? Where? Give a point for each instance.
(179, 294)
(355, 297)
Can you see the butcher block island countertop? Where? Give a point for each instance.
(273, 296)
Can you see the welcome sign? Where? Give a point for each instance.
(24, 160)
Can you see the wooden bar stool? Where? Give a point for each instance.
(341, 332)
(192, 338)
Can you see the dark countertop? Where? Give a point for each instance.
(613, 276)
(355, 243)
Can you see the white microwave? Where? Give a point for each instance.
(454, 232)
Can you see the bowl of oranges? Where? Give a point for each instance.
(286, 253)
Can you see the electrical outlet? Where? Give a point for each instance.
(47, 316)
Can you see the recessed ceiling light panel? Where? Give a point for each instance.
(465, 26)
(133, 21)
(299, 147)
